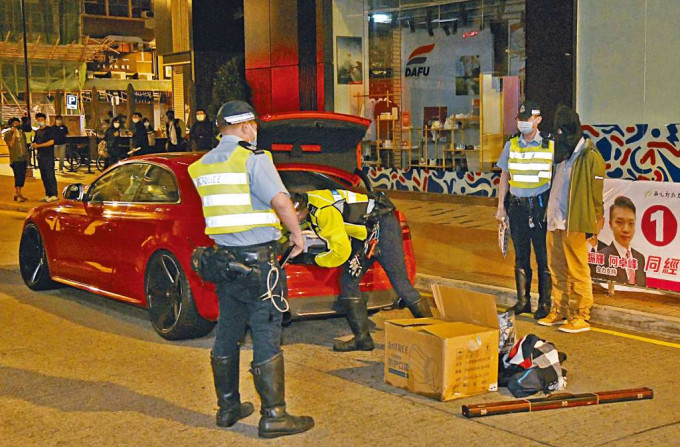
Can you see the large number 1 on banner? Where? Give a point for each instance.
(657, 217)
(659, 225)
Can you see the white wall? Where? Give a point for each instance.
(349, 20)
(628, 69)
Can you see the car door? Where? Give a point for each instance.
(89, 229)
(150, 217)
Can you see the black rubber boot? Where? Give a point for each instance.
(420, 309)
(544, 294)
(523, 284)
(357, 317)
(270, 385)
(226, 373)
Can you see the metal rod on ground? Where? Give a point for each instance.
(562, 400)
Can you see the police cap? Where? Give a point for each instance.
(528, 109)
(235, 112)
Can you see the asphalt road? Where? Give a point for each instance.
(78, 369)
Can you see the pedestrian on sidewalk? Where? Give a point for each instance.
(575, 212)
(202, 134)
(140, 140)
(43, 142)
(150, 135)
(113, 139)
(60, 132)
(524, 189)
(18, 156)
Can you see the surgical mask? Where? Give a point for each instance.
(146, 124)
(525, 126)
(135, 120)
(41, 123)
(200, 117)
(59, 122)
(116, 125)
(254, 140)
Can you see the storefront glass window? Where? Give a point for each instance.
(441, 81)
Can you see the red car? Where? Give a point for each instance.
(129, 235)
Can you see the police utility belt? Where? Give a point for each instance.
(222, 264)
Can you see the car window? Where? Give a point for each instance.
(301, 181)
(158, 185)
(119, 185)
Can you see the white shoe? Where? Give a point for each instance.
(45, 199)
(52, 199)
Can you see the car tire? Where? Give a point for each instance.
(33, 264)
(169, 300)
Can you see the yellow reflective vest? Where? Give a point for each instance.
(530, 167)
(225, 195)
(326, 215)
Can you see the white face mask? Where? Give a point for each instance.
(254, 140)
(526, 127)
(59, 122)
(41, 123)
(146, 124)
(116, 125)
(135, 120)
(200, 117)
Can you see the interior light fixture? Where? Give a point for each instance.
(380, 17)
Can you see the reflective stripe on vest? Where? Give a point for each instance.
(530, 167)
(225, 195)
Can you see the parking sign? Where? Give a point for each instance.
(71, 101)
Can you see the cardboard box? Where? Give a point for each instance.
(449, 357)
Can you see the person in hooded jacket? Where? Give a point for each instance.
(575, 212)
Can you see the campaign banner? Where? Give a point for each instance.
(639, 243)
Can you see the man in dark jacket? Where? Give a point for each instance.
(140, 140)
(174, 129)
(575, 211)
(202, 134)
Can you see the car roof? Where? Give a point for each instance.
(177, 161)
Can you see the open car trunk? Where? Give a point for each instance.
(321, 138)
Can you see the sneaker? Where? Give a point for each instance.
(52, 199)
(575, 325)
(45, 199)
(552, 319)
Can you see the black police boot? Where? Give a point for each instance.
(225, 373)
(270, 385)
(544, 292)
(420, 309)
(357, 317)
(523, 283)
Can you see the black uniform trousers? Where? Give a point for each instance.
(391, 258)
(47, 175)
(241, 305)
(527, 228)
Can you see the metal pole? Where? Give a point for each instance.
(28, 88)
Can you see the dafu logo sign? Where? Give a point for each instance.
(415, 67)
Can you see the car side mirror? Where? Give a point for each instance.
(74, 191)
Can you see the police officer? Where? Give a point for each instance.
(358, 230)
(526, 162)
(243, 199)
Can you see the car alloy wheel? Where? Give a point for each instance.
(33, 260)
(171, 306)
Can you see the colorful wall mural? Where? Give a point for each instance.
(638, 152)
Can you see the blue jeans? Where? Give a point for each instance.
(390, 256)
(241, 305)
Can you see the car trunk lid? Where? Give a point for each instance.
(325, 138)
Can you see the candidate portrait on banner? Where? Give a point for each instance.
(629, 264)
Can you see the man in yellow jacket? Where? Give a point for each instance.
(358, 230)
